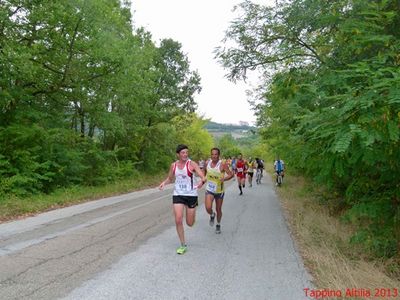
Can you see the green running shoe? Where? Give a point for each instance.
(181, 249)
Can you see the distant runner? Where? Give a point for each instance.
(241, 170)
(250, 171)
(260, 169)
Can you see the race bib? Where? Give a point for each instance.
(240, 169)
(211, 186)
(182, 184)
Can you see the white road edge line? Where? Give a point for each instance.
(9, 249)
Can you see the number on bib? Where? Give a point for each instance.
(211, 187)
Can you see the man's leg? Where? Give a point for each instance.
(239, 180)
(178, 212)
(218, 207)
(208, 204)
(190, 216)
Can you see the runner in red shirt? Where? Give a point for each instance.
(241, 169)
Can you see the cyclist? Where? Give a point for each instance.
(279, 167)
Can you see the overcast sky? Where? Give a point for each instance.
(199, 26)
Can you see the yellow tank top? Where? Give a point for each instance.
(214, 175)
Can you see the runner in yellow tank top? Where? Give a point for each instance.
(215, 172)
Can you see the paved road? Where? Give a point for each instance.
(124, 248)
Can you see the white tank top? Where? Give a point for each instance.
(184, 184)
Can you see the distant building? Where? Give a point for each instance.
(244, 123)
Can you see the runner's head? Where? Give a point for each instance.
(181, 147)
(215, 152)
(240, 156)
(182, 152)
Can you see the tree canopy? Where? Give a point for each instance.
(84, 98)
(330, 102)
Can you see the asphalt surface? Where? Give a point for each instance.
(125, 248)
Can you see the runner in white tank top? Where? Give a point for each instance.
(184, 181)
(185, 192)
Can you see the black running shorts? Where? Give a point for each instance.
(189, 201)
(216, 195)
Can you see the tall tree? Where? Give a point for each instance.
(82, 97)
(331, 103)
(173, 86)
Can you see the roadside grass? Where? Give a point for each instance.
(323, 241)
(12, 208)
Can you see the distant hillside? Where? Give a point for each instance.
(226, 127)
(237, 131)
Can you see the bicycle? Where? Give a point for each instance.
(279, 178)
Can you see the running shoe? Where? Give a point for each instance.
(218, 228)
(181, 249)
(212, 217)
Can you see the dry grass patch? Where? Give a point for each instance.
(323, 241)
